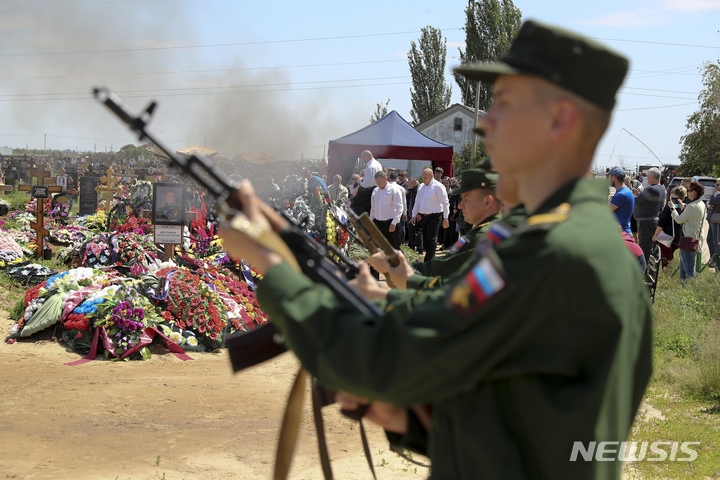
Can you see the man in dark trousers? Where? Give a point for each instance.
(648, 205)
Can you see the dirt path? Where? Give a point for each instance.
(161, 419)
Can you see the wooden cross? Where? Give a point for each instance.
(41, 174)
(5, 188)
(110, 188)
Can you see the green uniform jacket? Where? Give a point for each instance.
(450, 263)
(560, 354)
(462, 261)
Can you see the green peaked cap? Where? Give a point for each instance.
(475, 178)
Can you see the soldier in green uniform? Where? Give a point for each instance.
(546, 341)
(480, 207)
(479, 200)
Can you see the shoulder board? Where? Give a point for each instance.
(545, 221)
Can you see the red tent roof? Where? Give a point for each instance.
(389, 137)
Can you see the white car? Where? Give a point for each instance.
(708, 184)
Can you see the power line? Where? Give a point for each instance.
(215, 45)
(656, 43)
(310, 39)
(31, 5)
(655, 108)
(180, 89)
(87, 97)
(219, 70)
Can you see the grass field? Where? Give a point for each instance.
(684, 393)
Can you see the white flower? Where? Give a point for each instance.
(176, 337)
(192, 341)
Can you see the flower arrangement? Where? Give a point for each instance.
(30, 273)
(97, 252)
(95, 223)
(21, 217)
(140, 196)
(47, 307)
(131, 224)
(10, 251)
(192, 305)
(123, 317)
(69, 234)
(59, 212)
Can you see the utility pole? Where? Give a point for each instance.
(45, 142)
(477, 117)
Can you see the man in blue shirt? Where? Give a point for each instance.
(623, 202)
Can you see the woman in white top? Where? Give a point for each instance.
(691, 218)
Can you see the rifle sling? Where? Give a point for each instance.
(318, 403)
(290, 427)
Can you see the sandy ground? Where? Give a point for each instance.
(162, 419)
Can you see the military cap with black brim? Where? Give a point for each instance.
(569, 60)
(475, 178)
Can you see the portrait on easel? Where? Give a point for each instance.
(168, 202)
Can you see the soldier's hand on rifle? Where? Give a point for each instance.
(366, 284)
(379, 262)
(389, 417)
(400, 274)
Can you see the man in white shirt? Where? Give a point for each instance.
(393, 177)
(431, 206)
(386, 208)
(361, 201)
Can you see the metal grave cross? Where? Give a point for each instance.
(40, 192)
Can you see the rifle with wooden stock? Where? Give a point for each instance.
(373, 239)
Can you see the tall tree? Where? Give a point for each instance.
(700, 152)
(490, 26)
(380, 111)
(430, 94)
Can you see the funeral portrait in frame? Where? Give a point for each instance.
(168, 201)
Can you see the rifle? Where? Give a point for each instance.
(371, 236)
(265, 342)
(311, 256)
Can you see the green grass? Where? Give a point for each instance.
(686, 382)
(17, 199)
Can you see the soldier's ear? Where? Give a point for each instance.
(564, 119)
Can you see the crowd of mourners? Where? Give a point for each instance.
(671, 218)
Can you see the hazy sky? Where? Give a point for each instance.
(287, 76)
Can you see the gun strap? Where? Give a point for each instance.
(317, 404)
(366, 448)
(290, 427)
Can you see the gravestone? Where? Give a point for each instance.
(88, 195)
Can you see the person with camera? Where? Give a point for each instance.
(691, 216)
(668, 229)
